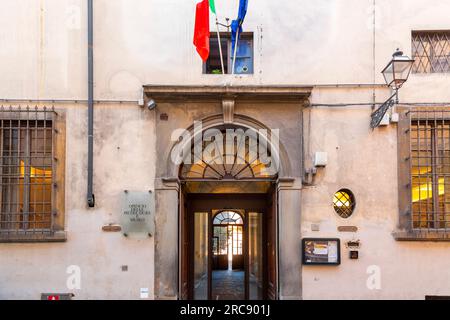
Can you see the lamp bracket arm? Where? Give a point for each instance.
(378, 115)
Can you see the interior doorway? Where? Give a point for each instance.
(227, 240)
(228, 246)
(228, 270)
(228, 214)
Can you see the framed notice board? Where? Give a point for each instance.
(321, 251)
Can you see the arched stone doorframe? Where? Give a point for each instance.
(166, 284)
(167, 184)
(245, 122)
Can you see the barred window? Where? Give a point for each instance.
(430, 169)
(423, 173)
(27, 172)
(431, 51)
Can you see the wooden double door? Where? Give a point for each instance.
(228, 246)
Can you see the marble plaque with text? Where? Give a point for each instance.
(138, 213)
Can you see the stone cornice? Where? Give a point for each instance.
(169, 93)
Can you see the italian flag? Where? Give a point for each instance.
(201, 31)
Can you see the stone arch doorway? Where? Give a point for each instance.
(221, 108)
(228, 171)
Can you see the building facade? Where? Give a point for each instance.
(307, 79)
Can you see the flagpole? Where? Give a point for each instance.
(235, 49)
(220, 45)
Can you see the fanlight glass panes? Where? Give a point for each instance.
(228, 217)
(231, 159)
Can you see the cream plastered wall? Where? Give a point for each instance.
(366, 163)
(43, 55)
(124, 160)
(43, 44)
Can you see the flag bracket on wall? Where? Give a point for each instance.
(202, 29)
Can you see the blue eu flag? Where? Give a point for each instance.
(237, 24)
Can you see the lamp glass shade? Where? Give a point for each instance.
(397, 71)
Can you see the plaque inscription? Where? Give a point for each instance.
(138, 210)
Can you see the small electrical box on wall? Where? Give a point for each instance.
(353, 246)
(354, 254)
(320, 159)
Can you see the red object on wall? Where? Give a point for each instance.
(201, 32)
(53, 298)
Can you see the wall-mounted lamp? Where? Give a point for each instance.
(396, 73)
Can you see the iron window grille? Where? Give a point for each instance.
(431, 51)
(430, 168)
(27, 171)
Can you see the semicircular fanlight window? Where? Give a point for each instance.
(222, 159)
(228, 217)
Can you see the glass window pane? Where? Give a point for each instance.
(430, 171)
(255, 255)
(201, 255)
